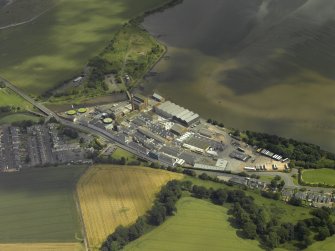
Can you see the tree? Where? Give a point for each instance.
(249, 229)
(170, 206)
(204, 176)
(323, 233)
(136, 230)
(301, 231)
(219, 196)
(295, 201)
(200, 192)
(157, 214)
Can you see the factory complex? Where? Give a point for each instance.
(158, 130)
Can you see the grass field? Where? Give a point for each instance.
(37, 205)
(198, 225)
(326, 245)
(323, 176)
(42, 247)
(59, 43)
(118, 153)
(274, 209)
(7, 97)
(114, 195)
(8, 119)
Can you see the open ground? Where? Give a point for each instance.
(198, 225)
(37, 205)
(113, 195)
(319, 176)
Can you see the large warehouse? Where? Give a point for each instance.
(177, 113)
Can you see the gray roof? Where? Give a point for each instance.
(177, 111)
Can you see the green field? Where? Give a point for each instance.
(118, 153)
(326, 245)
(323, 176)
(7, 97)
(274, 208)
(59, 43)
(11, 118)
(198, 225)
(37, 205)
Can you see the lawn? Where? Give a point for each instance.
(323, 176)
(198, 225)
(37, 205)
(11, 118)
(59, 43)
(113, 195)
(275, 209)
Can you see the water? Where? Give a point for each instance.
(258, 65)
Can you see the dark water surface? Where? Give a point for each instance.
(265, 65)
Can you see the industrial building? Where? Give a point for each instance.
(177, 113)
(197, 144)
(158, 97)
(139, 102)
(178, 129)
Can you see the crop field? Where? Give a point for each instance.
(323, 176)
(37, 205)
(59, 43)
(42, 247)
(113, 195)
(198, 225)
(274, 208)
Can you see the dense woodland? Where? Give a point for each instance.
(249, 218)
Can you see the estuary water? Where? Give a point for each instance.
(263, 65)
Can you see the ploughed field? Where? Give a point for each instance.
(198, 225)
(60, 42)
(257, 65)
(38, 206)
(319, 176)
(117, 195)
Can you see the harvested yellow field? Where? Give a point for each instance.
(42, 247)
(110, 196)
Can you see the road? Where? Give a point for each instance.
(285, 176)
